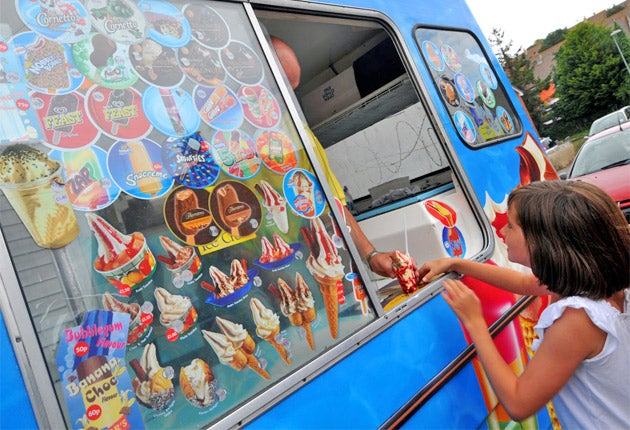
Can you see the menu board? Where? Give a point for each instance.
(151, 136)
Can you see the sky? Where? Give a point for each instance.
(525, 21)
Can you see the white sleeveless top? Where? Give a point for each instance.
(598, 393)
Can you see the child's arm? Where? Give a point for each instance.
(506, 279)
(571, 339)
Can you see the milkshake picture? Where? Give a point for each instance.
(32, 182)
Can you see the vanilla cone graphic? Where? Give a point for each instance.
(268, 326)
(243, 343)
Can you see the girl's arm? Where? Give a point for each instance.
(506, 279)
(571, 339)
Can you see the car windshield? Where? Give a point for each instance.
(609, 151)
(608, 121)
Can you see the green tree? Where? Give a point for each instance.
(590, 77)
(521, 74)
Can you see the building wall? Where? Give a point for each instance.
(544, 61)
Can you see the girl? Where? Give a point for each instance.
(577, 243)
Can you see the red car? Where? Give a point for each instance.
(604, 160)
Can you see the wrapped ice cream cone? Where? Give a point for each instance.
(254, 364)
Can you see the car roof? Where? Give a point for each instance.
(610, 120)
(610, 130)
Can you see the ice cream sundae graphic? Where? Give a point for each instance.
(227, 289)
(138, 329)
(235, 347)
(181, 261)
(298, 305)
(268, 327)
(326, 266)
(153, 383)
(277, 255)
(275, 204)
(177, 312)
(124, 260)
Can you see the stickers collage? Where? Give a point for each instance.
(470, 91)
(246, 276)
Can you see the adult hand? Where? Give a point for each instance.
(465, 304)
(381, 263)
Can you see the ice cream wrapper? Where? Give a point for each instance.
(93, 371)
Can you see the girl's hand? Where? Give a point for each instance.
(464, 303)
(431, 269)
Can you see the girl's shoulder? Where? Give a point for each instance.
(600, 312)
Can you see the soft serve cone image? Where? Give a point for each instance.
(268, 326)
(152, 384)
(225, 350)
(177, 311)
(325, 265)
(240, 338)
(303, 188)
(275, 204)
(124, 260)
(289, 307)
(32, 183)
(198, 383)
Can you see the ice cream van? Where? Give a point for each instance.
(172, 254)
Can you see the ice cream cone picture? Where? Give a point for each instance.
(275, 204)
(325, 265)
(177, 312)
(268, 327)
(298, 306)
(405, 272)
(235, 347)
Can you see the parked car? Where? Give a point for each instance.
(612, 119)
(604, 160)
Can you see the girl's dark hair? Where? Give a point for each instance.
(578, 238)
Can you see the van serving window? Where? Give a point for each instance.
(468, 86)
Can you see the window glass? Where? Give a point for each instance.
(468, 86)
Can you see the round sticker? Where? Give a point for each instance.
(449, 92)
(189, 160)
(465, 126)
(48, 65)
(260, 107)
(136, 166)
(118, 113)
(118, 20)
(486, 94)
(63, 22)
(156, 64)
(488, 76)
(186, 213)
(167, 24)
(505, 119)
(451, 58)
(235, 208)
(433, 56)
(464, 87)
(104, 62)
(242, 63)
(201, 64)
(171, 111)
(218, 107)
(235, 151)
(304, 193)
(64, 121)
(87, 179)
(276, 150)
(207, 26)
(453, 241)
